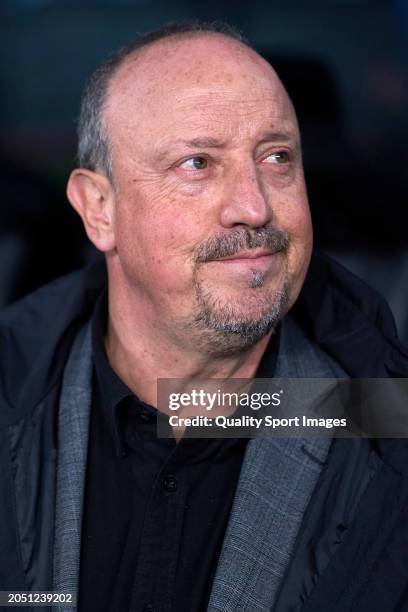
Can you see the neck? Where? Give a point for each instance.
(141, 348)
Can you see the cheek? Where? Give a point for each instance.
(302, 227)
(294, 217)
(155, 242)
(302, 244)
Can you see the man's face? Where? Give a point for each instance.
(212, 225)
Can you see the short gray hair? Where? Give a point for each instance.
(93, 145)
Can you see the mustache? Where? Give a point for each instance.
(241, 239)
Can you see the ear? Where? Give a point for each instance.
(92, 196)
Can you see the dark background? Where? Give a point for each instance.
(344, 63)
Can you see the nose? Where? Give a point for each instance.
(244, 201)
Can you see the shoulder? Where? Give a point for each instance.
(350, 321)
(35, 336)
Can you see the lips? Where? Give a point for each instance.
(253, 254)
(261, 260)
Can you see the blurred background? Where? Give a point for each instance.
(344, 62)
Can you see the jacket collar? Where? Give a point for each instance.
(275, 485)
(274, 488)
(73, 433)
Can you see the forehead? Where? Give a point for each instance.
(205, 83)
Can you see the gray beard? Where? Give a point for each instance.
(221, 330)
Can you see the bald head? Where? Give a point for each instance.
(188, 55)
(149, 55)
(190, 81)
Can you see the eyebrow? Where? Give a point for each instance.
(278, 137)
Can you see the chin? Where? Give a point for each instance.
(237, 323)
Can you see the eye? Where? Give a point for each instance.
(280, 157)
(194, 163)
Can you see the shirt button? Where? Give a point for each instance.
(169, 483)
(145, 416)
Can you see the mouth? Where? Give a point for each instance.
(251, 255)
(254, 258)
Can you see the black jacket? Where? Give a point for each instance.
(337, 311)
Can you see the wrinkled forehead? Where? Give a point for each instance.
(203, 81)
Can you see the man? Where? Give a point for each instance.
(191, 184)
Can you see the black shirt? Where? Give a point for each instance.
(155, 511)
